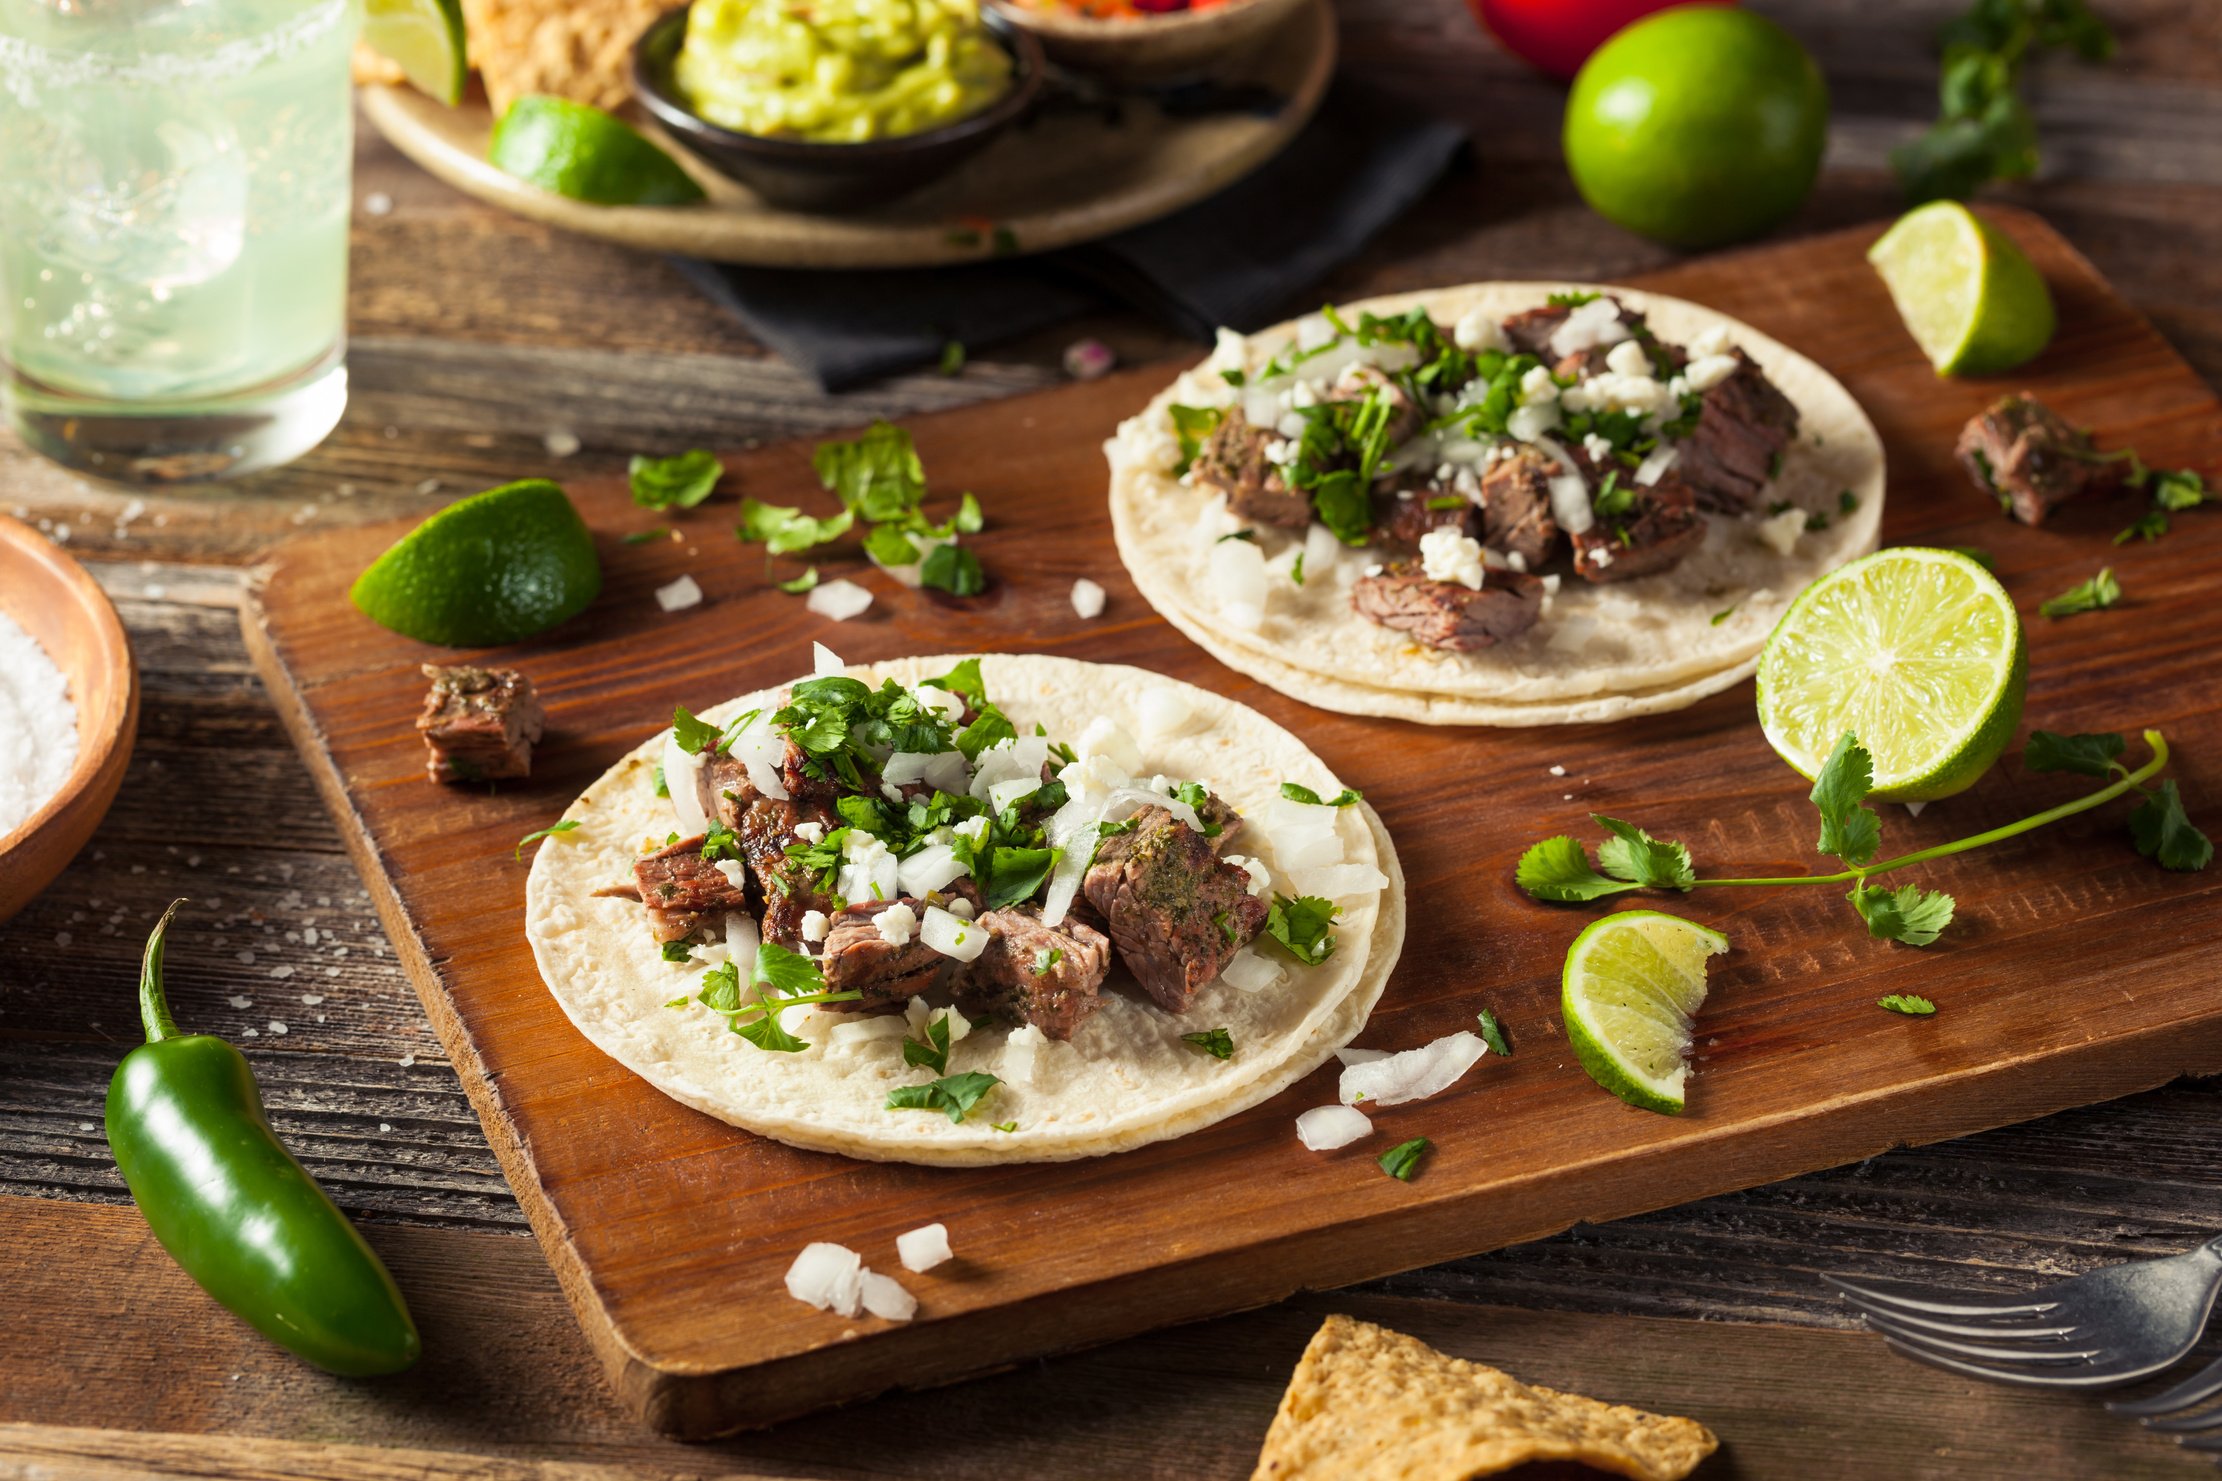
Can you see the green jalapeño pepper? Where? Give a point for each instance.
(230, 1204)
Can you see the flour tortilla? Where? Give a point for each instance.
(1600, 652)
(1126, 1079)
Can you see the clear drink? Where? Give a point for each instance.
(173, 230)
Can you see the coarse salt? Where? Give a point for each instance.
(38, 727)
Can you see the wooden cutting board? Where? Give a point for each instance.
(2076, 971)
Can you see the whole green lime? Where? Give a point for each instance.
(490, 569)
(1697, 126)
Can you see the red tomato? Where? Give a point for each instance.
(1557, 36)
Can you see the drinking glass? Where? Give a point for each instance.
(173, 231)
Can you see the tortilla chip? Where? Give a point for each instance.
(1369, 1404)
(577, 49)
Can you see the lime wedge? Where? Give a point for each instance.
(1917, 652)
(493, 568)
(1632, 988)
(582, 152)
(1972, 301)
(425, 39)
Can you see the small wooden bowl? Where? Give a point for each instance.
(1154, 50)
(59, 604)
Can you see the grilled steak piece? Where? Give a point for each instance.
(1530, 330)
(2022, 453)
(1735, 450)
(724, 789)
(859, 959)
(683, 891)
(1516, 507)
(1401, 516)
(1664, 527)
(1446, 615)
(1174, 909)
(790, 891)
(1357, 382)
(1214, 814)
(1048, 976)
(478, 723)
(1234, 462)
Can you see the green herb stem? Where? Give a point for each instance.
(2129, 781)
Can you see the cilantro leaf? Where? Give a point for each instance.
(992, 727)
(693, 735)
(1193, 425)
(1849, 830)
(1403, 1159)
(2150, 525)
(1302, 925)
(2097, 594)
(677, 951)
(1911, 1004)
(877, 476)
(663, 786)
(548, 832)
(1010, 875)
(1492, 1034)
(2179, 490)
(765, 1030)
(1909, 913)
(674, 483)
(807, 580)
(1634, 855)
(964, 681)
(2085, 755)
(783, 529)
(934, 1052)
(955, 1095)
(1298, 792)
(1558, 869)
(889, 545)
(1217, 1043)
(953, 569)
(2164, 832)
(642, 537)
(721, 988)
(789, 973)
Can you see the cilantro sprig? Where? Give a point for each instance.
(674, 483)
(882, 488)
(1984, 131)
(782, 979)
(1560, 869)
(953, 1095)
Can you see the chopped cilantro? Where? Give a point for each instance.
(2096, 594)
(1910, 1004)
(955, 1095)
(1304, 926)
(783, 529)
(1193, 426)
(800, 584)
(1046, 960)
(952, 357)
(675, 483)
(663, 787)
(933, 1052)
(1249, 535)
(953, 569)
(548, 832)
(1492, 1033)
(1296, 569)
(678, 951)
(1725, 613)
(642, 537)
(1217, 1043)
(1298, 792)
(1403, 1159)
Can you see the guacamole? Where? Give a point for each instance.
(839, 71)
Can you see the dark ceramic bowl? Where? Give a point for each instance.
(807, 176)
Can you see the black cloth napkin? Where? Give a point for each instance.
(1243, 258)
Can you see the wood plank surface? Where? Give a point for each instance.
(680, 1290)
(508, 1389)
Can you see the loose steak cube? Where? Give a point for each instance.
(2031, 460)
(1048, 976)
(1174, 909)
(1234, 462)
(1734, 451)
(1657, 535)
(478, 723)
(685, 893)
(790, 892)
(859, 959)
(1447, 615)
(1516, 507)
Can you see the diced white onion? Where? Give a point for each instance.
(838, 600)
(1413, 1074)
(1349, 1054)
(1251, 971)
(1656, 462)
(1569, 491)
(1324, 1128)
(1022, 1049)
(742, 940)
(931, 868)
(884, 1297)
(923, 1248)
(1321, 551)
(829, 1277)
(1128, 801)
(1302, 853)
(1781, 532)
(1103, 737)
(853, 1032)
(1003, 794)
(1708, 371)
(1236, 570)
(953, 936)
(683, 780)
(1087, 598)
(824, 661)
(868, 870)
(761, 749)
(679, 595)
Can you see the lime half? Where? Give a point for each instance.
(1973, 302)
(425, 39)
(1917, 652)
(493, 568)
(1632, 988)
(582, 152)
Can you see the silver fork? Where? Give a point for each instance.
(2169, 1412)
(2111, 1326)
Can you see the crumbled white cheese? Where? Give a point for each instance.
(1478, 331)
(679, 595)
(1537, 385)
(1598, 448)
(1600, 558)
(811, 831)
(733, 872)
(897, 924)
(1229, 351)
(1590, 325)
(815, 925)
(1711, 340)
(1612, 391)
(1021, 1051)
(1087, 598)
(1447, 554)
(1628, 358)
(1558, 771)
(1781, 531)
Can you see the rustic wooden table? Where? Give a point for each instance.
(482, 345)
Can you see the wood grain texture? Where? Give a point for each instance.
(679, 1286)
(509, 1390)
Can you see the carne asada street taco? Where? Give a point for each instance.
(997, 909)
(1504, 504)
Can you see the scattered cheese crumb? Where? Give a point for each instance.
(1087, 598)
(1780, 532)
(815, 926)
(1558, 771)
(561, 443)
